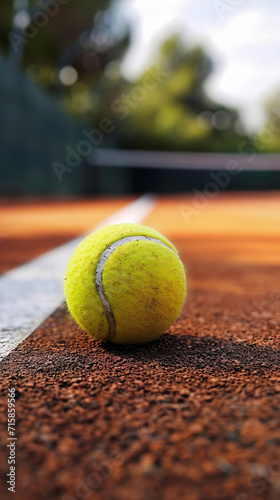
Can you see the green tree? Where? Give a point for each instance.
(174, 113)
(44, 36)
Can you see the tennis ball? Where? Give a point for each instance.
(125, 283)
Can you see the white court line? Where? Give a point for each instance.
(30, 293)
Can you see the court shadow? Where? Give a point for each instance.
(194, 352)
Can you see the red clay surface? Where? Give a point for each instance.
(193, 415)
(29, 229)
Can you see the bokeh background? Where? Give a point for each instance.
(81, 78)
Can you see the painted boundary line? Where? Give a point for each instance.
(31, 292)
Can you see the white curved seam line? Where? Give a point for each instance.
(99, 276)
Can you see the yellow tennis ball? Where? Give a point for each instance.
(125, 283)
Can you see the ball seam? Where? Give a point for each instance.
(99, 276)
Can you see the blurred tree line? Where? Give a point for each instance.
(173, 111)
(61, 72)
(89, 38)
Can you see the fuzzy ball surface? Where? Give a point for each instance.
(125, 283)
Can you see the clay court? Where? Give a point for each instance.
(195, 414)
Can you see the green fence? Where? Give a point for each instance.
(34, 132)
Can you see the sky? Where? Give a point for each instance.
(241, 36)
